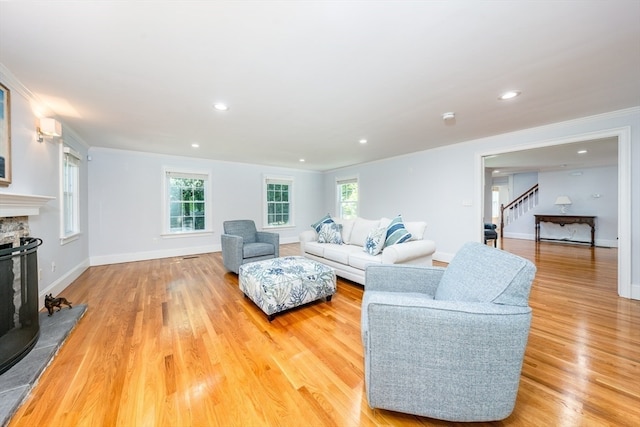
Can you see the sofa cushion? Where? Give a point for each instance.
(340, 253)
(361, 228)
(347, 227)
(374, 242)
(361, 259)
(330, 233)
(325, 220)
(315, 248)
(396, 232)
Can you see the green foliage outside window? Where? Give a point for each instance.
(278, 204)
(187, 204)
(348, 200)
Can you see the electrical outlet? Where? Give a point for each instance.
(53, 266)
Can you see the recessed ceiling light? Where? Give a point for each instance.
(363, 141)
(301, 160)
(195, 145)
(220, 106)
(449, 116)
(509, 95)
(582, 151)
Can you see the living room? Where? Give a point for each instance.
(122, 214)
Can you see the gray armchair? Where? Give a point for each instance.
(447, 343)
(242, 243)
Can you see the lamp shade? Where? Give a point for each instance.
(50, 127)
(563, 200)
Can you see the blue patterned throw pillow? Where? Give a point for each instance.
(396, 232)
(374, 243)
(325, 220)
(330, 233)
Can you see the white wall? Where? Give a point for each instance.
(36, 171)
(444, 186)
(581, 186)
(523, 182)
(125, 203)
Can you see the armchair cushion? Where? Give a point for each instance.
(250, 250)
(505, 278)
(243, 228)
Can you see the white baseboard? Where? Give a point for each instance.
(169, 253)
(442, 256)
(605, 243)
(65, 280)
(144, 256)
(288, 240)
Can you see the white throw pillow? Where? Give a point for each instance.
(416, 229)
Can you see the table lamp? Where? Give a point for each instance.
(563, 202)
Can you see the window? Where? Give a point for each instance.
(187, 202)
(278, 200)
(347, 191)
(69, 194)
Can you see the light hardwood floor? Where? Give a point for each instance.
(172, 342)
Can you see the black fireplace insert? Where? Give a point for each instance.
(19, 319)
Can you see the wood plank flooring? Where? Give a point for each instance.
(172, 342)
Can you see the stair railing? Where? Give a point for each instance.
(518, 207)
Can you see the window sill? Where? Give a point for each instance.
(278, 227)
(70, 238)
(181, 234)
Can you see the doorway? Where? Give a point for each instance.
(622, 139)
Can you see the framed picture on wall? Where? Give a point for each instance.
(5, 136)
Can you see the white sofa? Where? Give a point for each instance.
(350, 258)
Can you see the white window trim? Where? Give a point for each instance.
(166, 233)
(68, 238)
(345, 180)
(266, 179)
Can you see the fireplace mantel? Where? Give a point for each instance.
(21, 204)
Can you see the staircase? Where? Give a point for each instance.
(518, 207)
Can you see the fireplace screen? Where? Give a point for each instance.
(19, 325)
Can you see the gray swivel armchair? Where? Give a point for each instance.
(242, 243)
(447, 343)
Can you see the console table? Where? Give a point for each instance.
(567, 219)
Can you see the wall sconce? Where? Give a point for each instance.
(50, 128)
(563, 202)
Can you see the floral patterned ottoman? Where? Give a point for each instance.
(278, 284)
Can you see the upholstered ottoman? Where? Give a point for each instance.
(279, 284)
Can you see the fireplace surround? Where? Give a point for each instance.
(19, 275)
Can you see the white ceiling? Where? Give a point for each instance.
(310, 79)
(571, 157)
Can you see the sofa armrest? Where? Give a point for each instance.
(268, 237)
(403, 278)
(404, 252)
(308, 236)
